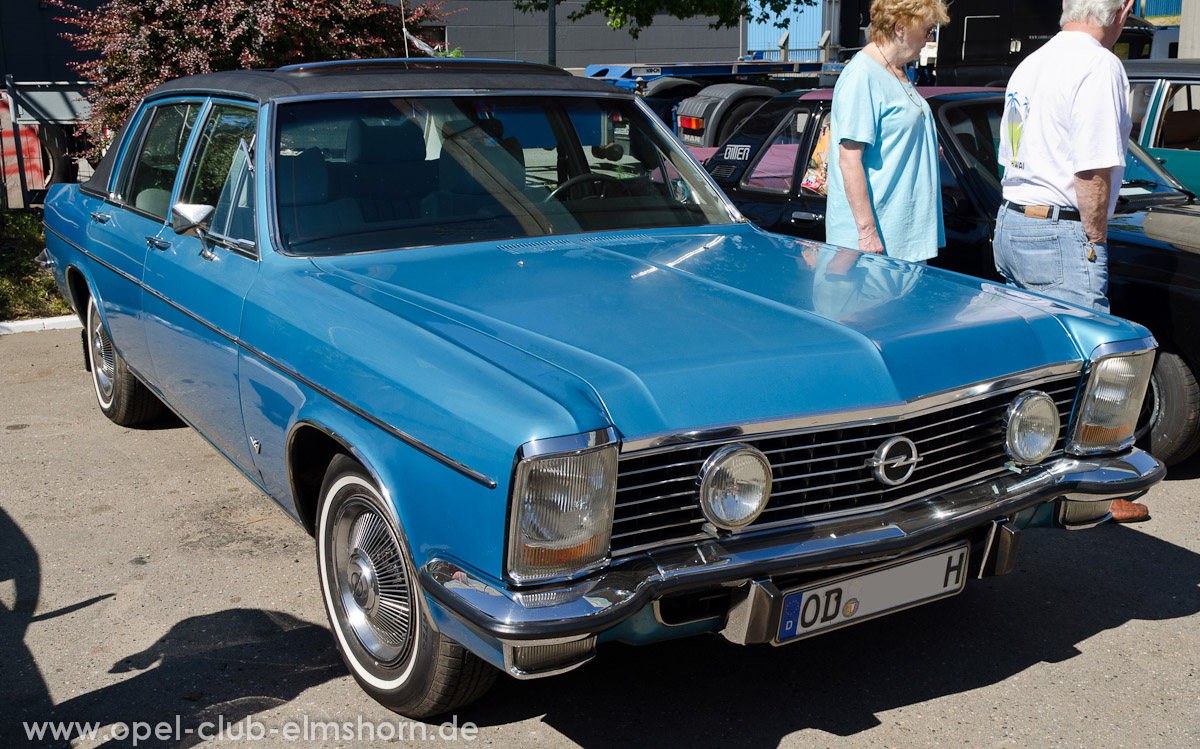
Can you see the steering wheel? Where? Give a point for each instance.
(603, 180)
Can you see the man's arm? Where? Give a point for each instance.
(854, 180)
(1092, 190)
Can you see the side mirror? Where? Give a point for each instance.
(191, 220)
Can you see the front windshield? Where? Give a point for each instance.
(354, 175)
(1145, 175)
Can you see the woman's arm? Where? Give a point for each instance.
(854, 179)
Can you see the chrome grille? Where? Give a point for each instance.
(823, 472)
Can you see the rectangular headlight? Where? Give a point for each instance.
(562, 514)
(1111, 403)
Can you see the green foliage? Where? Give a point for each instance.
(638, 14)
(26, 290)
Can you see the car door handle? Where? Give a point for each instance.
(100, 218)
(806, 216)
(155, 243)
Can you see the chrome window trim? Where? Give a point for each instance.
(249, 250)
(617, 93)
(119, 175)
(664, 441)
(1157, 87)
(1162, 86)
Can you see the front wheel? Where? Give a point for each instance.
(1170, 423)
(121, 395)
(375, 606)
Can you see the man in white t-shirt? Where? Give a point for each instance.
(1062, 148)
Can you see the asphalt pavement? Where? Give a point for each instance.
(146, 584)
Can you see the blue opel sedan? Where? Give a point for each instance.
(489, 333)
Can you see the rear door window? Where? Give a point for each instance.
(150, 174)
(1180, 124)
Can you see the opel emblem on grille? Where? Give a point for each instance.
(894, 462)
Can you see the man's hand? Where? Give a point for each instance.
(1092, 190)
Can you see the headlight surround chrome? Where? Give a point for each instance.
(1107, 415)
(735, 484)
(561, 515)
(1031, 427)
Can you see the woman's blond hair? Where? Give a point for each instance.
(885, 14)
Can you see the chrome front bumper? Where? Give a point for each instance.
(553, 615)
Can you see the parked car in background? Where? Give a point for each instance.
(489, 333)
(1164, 101)
(772, 168)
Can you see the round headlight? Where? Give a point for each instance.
(735, 484)
(1031, 427)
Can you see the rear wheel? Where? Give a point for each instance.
(376, 608)
(121, 395)
(1170, 422)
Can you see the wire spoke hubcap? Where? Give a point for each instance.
(104, 364)
(372, 581)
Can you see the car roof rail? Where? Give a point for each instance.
(420, 63)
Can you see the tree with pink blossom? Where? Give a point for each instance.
(141, 43)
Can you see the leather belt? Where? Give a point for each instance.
(1043, 211)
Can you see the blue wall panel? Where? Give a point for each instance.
(804, 27)
(1161, 7)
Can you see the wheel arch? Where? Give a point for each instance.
(311, 449)
(79, 291)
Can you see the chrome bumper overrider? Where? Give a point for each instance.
(556, 614)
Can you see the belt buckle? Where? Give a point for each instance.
(1038, 211)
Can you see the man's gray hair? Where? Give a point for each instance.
(1098, 12)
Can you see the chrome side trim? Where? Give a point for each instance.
(849, 417)
(446, 460)
(617, 593)
(413, 442)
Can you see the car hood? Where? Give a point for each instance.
(675, 330)
(1174, 226)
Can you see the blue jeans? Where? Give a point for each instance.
(1050, 256)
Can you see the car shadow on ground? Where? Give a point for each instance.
(703, 691)
(227, 665)
(699, 691)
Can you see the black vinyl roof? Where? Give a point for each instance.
(354, 76)
(365, 76)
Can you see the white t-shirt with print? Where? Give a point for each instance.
(1066, 110)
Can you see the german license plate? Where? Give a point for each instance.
(881, 590)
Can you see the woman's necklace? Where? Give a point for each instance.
(904, 84)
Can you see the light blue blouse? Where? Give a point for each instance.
(872, 106)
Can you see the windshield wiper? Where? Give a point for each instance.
(1149, 184)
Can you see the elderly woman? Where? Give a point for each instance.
(883, 166)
